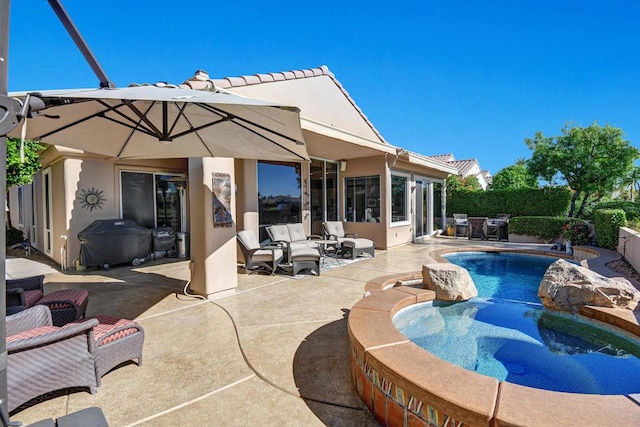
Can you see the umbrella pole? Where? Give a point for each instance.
(5, 9)
(4, 71)
(80, 43)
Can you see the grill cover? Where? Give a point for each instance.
(164, 238)
(113, 241)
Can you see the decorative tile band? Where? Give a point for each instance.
(429, 414)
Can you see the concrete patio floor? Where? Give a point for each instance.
(274, 353)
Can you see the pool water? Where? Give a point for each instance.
(504, 275)
(525, 344)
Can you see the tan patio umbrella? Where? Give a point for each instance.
(163, 121)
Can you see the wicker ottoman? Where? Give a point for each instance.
(66, 306)
(305, 258)
(117, 341)
(357, 246)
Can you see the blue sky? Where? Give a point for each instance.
(470, 78)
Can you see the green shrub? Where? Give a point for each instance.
(545, 227)
(550, 202)
(608, 223)
(14, 236)
(634, 224)
(631, 209)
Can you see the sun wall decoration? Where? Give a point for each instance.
(91, 199)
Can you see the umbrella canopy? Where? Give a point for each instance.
(163, 121)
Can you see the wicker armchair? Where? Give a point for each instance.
(65, 305)
(350, 243)
(24, 293)
(257, 255)
(43, 358)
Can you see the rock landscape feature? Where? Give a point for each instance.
(567, 287)
(450, 282)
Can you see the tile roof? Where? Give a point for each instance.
(202, 81)
(464, 166)
(434, 159)
(443, 157)
(487, 177)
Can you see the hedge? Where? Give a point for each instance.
(549, 202)
(608, 223)
(631, 209)
(545, 227)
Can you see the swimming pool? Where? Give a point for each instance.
(401, 383)
(504, 275)
(525, 344)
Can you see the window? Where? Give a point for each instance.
(278, 194)
(399, 198)
(362, 199)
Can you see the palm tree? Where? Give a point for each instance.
(632, 181)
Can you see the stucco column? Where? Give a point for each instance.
(213, 249)
(248, 192)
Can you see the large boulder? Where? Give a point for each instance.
(567, 287)
(450, 282)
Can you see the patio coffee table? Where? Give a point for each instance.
(328, 248)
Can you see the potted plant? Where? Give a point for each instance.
(451, 229)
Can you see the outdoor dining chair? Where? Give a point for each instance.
(462, 225)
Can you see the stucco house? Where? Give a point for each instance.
(379, 190)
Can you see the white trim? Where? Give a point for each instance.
(341, 134)
(33, 215)
(47, 208)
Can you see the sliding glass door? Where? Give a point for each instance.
(153, 199)
(324, 193)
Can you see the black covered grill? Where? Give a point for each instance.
(108, 242)
(163, 239)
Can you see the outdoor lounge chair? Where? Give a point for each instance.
(65, 305)
(256, 255)
(350, 243)
(43, 358)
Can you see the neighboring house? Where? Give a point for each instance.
(380, 191)
(469, 167)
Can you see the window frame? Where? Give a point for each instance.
(407, 199)
(368, 202)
